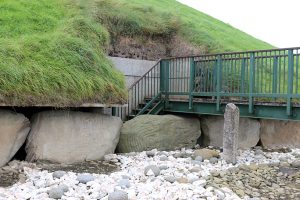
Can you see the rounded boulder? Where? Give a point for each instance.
(162, 132)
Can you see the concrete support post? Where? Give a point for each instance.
(230, 134)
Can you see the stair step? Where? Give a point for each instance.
(139, 109)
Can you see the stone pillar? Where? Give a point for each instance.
(230, 134)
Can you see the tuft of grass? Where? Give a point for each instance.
(52, 52)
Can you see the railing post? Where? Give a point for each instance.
(192, 81)
(162, 76)
(167, 75)
(164, 80)
(290, 82)
(275, 75)
(251, 85)
(243, 76)
(219, 74)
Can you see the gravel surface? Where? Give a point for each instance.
(258, 174)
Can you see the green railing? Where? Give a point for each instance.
(146, 87)
(270, 76)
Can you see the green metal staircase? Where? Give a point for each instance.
(263, 84)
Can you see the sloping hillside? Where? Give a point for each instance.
(156, 28)
(53, 51)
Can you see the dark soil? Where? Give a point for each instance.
(11, 175)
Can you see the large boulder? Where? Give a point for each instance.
(212, 130)
(162, 132)
(69, 137)
(14, 129)
(278, 133)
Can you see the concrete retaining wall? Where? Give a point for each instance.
(133, 69)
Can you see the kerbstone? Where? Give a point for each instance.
(212, 131)
(162, 132)
(279, 133)
(14, 128)
(70, 137)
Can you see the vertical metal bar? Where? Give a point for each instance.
(297, 71)
(162, 76)
(279, 69)
(284, 84)
(215, 76)
(219, 74)
(243, 75)
(192, 80)
(138, 93)
(182, 66)
(212, 76)
(167, 83)
(270, 75)
(290, 82)
(135, 104)
(252, 80)
(261, 72)
(235, 77)
(275, 75)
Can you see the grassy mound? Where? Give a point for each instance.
(52, 52)
(169, 17)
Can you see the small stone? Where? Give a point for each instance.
(56, 193)
(241, 193)
(170, 179)
(131, 154)
(110, 157)
(192, 178)
(64, 187)
(284, 164)
(199, 158)
(194, 162)
(124, 183)
(22, 178)
(163, 158)
(182, 180)
(206, 153)
(152, 170)
(297, 155)
(150, 153)
(125, 177)
(58, 174)
(213, 160)
(220, 194)
(223, 173)
(214, 173)
(201, 183)
(259, 152)
(84, 178)
(283, 159)
(118, 195)
(195, 169)
(163, 167)
(296, 164)
(253, 167)
(178, 155)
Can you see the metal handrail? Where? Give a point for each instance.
(234, 52)
(135, 82)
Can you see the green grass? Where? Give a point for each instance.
(52, 52)
(169, 17)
